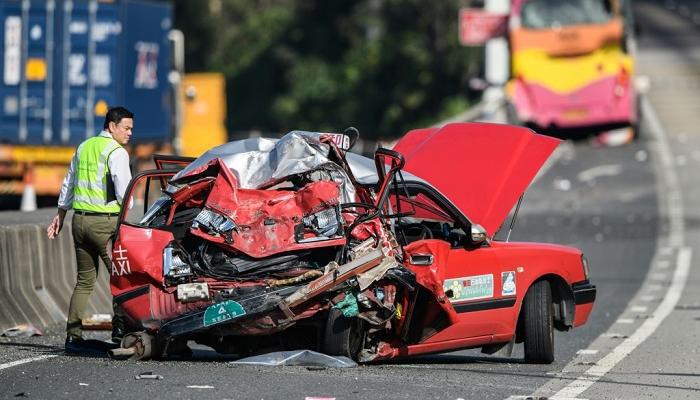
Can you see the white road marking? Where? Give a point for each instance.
(599, 171)
(587, 351)
(658, 276)
(624, 321)
(639, 309)
(665, 251)
(604, 365)
(200, 387)
(534, 398)
(671, 196)
(654, 287)
(647, 297)
(663, 264)
(25, 361)
(613, 335)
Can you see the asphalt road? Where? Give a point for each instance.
(609, 202)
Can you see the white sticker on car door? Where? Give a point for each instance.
(508, 283)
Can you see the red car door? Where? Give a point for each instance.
(133, 242)
(482, 292)
(473, 285)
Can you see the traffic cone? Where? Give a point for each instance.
(28, 194)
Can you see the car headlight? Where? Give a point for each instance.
(213, 221)
(324, 223)
(584, 261)
(175, 263)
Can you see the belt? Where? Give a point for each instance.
(94, 213)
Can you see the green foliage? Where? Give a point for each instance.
(384, 66)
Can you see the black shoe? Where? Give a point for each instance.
(90, 347)
(117, 334)
(74, 344)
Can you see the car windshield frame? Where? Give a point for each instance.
(456, 217)
(157, 204)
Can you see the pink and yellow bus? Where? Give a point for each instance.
(571, 67)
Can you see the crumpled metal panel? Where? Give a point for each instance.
(266, 219)
(431, 276)
(258, 162)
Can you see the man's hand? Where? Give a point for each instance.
(56, 224)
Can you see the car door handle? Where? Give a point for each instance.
(422, 259)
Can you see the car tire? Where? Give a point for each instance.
(538, 324)
(343, 336)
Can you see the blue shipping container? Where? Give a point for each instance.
(64, 62)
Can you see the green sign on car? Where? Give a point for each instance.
(222, 312)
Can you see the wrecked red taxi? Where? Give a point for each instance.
(297, 243)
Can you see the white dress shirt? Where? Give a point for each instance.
(118, 166)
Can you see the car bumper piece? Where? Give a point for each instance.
(584, 292)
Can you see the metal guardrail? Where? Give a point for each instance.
(491, 108)
(474, 113)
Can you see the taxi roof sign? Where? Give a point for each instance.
(341, 140)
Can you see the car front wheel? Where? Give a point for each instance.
(343, 336)
(538, 324)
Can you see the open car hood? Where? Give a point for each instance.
(481, 168)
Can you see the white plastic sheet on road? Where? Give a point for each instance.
(304, 358)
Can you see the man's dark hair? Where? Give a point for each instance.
(116, 114)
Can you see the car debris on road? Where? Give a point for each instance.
(148, 375)
(22, 330)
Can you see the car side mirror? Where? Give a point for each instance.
(478, 234)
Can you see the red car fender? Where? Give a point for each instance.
(561, 265)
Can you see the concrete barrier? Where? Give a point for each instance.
(37, 275)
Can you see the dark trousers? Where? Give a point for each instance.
(91, 234)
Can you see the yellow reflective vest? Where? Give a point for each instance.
(93, 182)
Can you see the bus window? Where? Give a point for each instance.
(545, 14)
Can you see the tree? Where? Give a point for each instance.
(385, 66)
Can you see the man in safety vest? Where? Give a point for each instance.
(94, 187)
